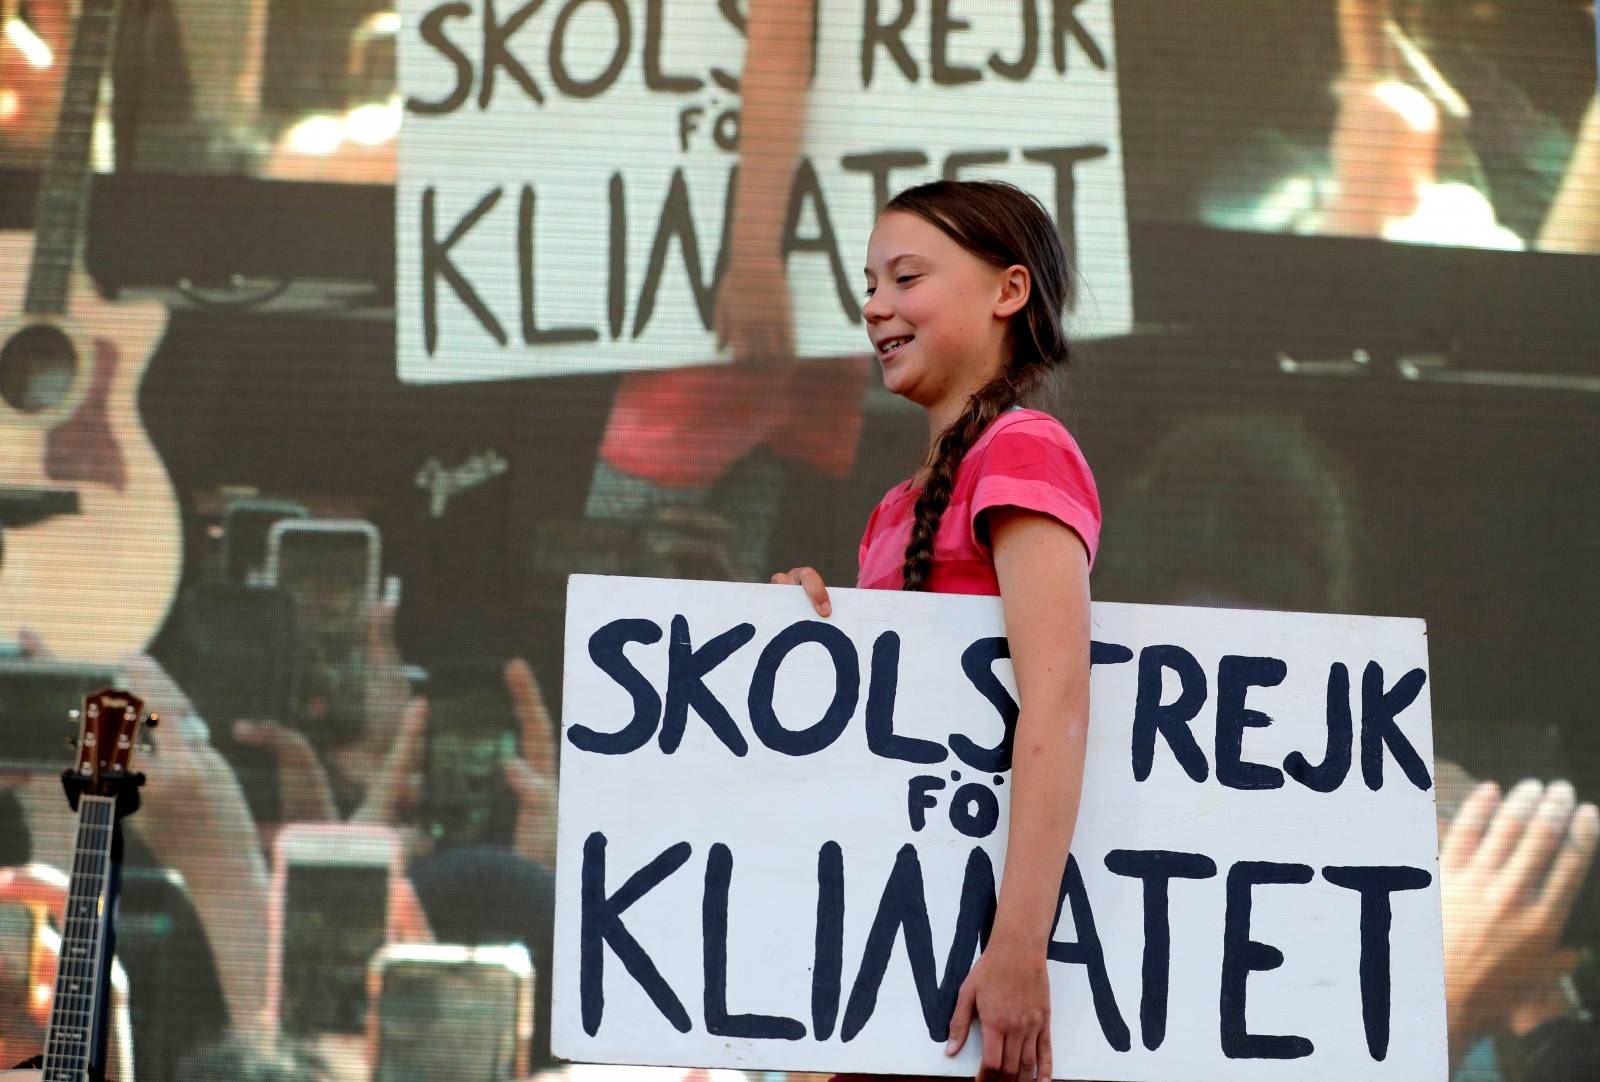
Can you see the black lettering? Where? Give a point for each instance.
(1157, 867)
(1172, 719)
(686, 672)
(436, 262)
(1375, 884)
(497, 55)
(531, 334)
(882, 687)
(1378, 711)
(827, 973)
(605, 650)
(617, 281)
(875, 33)
(1064, 21)
(961, 161)
(729, 10)
(562, 76)
(601, 926)
(714, 936)
(977, 661)
(725, 132)
(1242, 955)
(677, 220)
(1086, 952)
(654, 77)
(431, 31)
(1108, 653)
(919, 798)
(975, 810)
(1019, 69)
(1335, 765)
(904, 908)
(943, 26)
(879, 166)
(808, 187)
(846, 689)
(725, 252)
(1063, 160)
(1236, 675)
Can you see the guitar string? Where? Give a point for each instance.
(91, 862)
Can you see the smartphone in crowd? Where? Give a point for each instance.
(472, 729)
(35, 700)
(330, 915)
(233, 650)
(329, 569)
(245, 523)
(462, 1013)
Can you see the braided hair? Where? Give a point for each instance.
(1002, 225)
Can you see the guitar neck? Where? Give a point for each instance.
(75, 1040)
(62, 206)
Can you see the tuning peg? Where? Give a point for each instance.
(146, 748)
(72, 742)
(153, 720)
(74, 714)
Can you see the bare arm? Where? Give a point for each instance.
(1043, 570)
(753, 302)
(1044, 585)
(1573, 224)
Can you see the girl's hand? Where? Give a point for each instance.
(811, 581)
(752, 313)
(1009, 991)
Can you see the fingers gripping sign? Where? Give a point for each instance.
(810, 580)
(1007, 995)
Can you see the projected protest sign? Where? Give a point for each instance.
(566, 166)
(780, 837)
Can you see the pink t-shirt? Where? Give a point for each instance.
(1024, 459)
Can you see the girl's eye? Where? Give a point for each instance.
(868, 291)
(905, 278)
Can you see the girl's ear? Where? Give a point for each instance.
(1016, 284)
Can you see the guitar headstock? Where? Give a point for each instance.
(110, 731)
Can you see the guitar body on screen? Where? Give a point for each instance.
(87, 510)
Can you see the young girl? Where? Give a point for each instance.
(966, 282)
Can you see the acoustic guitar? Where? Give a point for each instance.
(87, 510)
(102, 789)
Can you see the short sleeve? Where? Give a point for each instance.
(866, 539)
(1035, 464)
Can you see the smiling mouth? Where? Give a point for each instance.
(893, 346)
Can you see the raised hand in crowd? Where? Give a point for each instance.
(533, 778)
(1510, 870)
(1386, 135)
(193, 818)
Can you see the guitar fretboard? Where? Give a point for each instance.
(70, 1040)
(64, 183)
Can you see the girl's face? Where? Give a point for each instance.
(937, 315)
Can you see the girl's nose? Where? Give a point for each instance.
(875, 310)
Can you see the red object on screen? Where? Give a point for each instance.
(685, 427)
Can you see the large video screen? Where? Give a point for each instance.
(337, 334)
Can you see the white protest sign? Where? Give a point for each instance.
(779, 837)
(565, 167)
